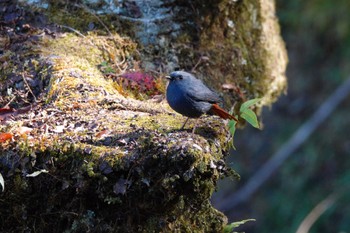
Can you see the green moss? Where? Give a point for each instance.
(173, 180)
(242, 44)
(114, 164)
(20, 184)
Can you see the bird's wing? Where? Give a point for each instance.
(202, 93)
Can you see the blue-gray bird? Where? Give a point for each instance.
(190, 97)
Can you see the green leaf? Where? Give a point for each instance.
(250, 117)
(248, 104)
(229, 228)
(106, 67)
(2, 182)
(232, 129)
(34, 174)
(104, 63)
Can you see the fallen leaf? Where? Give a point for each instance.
(102, 133)
(34, 174)
(24, 109)
(6, 113)
(2, 182)
(120, 187)
(59, 129)
(23, 130)
(6, 110)
(5, 136)
(157, 98)
(228, 86)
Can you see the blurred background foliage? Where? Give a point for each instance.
(317, 36)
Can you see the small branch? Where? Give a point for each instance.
(316, 212)
(73, 30)
(298, 138)
(9, 102)
(145, 20)
(202, 58)
(98, 18)
(30, 90)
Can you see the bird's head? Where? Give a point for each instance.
(179, 75)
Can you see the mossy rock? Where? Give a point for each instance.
(162, 184)
(84, 158)
(89, 152)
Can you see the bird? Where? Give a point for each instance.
(190, 97)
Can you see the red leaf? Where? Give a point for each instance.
(6, 110)
(5, 136)
(143, 82)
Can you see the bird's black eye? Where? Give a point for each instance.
(180, 77)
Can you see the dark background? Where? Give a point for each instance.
(317, 36)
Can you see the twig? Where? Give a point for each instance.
(202, 58)
(9, 102)
(316, 212)
(298, 138)
(98, 18)
(73, 30)
(80, 34)
(145, 20)
(30, 90)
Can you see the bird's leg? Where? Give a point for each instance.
(195, 126)
(183, 126)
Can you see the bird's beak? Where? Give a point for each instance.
(168, 77)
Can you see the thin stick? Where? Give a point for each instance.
(73, 30)
(316, 212)
(98, 18)
(9, 102)
(30, 90)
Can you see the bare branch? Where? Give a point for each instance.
(316, 212)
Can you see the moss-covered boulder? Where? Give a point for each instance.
(87, 142)
(82, 157)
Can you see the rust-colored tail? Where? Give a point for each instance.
(222, 113)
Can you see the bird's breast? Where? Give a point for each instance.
(180, 101)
